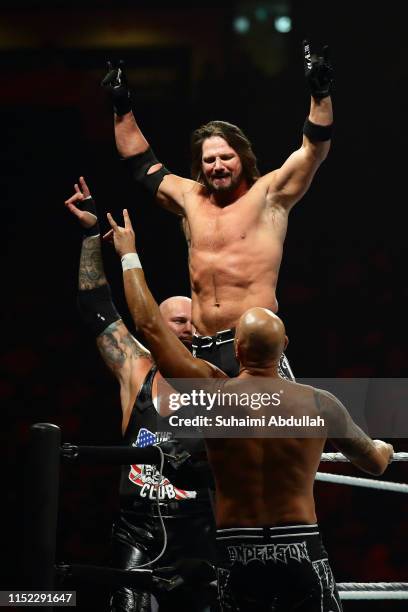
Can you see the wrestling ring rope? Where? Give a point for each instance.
(40, 524)
(336, 457)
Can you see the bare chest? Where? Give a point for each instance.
(214, 229)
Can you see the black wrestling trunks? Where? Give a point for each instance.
(275, 569)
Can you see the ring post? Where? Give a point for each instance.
(41, 505)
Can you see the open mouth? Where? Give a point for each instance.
(220, 177)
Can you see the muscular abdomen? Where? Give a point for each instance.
(234, 266)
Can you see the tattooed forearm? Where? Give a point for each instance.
(358, 447)
(91, 272)
(116, 345)
(353, 440)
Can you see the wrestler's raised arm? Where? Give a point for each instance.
(372, 456)
(286, 185)
(135, 150)
(173, 359)
(123, 354)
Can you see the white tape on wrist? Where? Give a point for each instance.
(130, 261)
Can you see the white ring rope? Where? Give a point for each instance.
(369, 483)
(334, 457)
(362, 482)
(367, 590)
(373, 590)
(373, 586)
(373, 595)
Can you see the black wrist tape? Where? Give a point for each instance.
(320, 95)
(92, 231)
(88, 205)
(139, 166)
(317, 133)
(97, 309)
(121, 101)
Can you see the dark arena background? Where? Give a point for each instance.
(342, 290)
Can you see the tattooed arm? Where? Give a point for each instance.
(120, 350)
(82, 206)
(372, 456)
(91, 272)
(127, 359)
(115, 343)
(123, 354)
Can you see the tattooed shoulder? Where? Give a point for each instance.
(116, 345)
(136, 349)
(110, 347)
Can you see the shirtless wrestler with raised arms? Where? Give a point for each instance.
(267, 531)
(235, 220)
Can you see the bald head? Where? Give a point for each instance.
(176, 311)
(260, 338)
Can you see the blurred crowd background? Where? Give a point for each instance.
(342, 288)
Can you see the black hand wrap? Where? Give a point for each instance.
(97, 309)
(115, 83)
(140, 164)
(88, 204)
(318, 72)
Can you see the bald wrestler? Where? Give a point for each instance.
(235, 221)
(267, 531)
(137, 535)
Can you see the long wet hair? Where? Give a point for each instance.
(235, 138)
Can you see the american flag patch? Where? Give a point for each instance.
(145, 438)
(148, 477)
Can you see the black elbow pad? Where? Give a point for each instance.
(140, 164)
(97, 309)
(317, 133)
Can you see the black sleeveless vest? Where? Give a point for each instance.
(141, 483)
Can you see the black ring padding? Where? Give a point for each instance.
(41, 485)
(139, 579)
(164, 579)
(113, 455)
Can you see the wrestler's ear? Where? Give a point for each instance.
(286, 342)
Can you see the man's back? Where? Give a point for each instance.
(267, 481)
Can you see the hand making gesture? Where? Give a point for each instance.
(123, 237)
(83, 207)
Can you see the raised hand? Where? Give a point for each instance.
(123, 237)
(83, 207)
(115, 82)
(318, 71)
